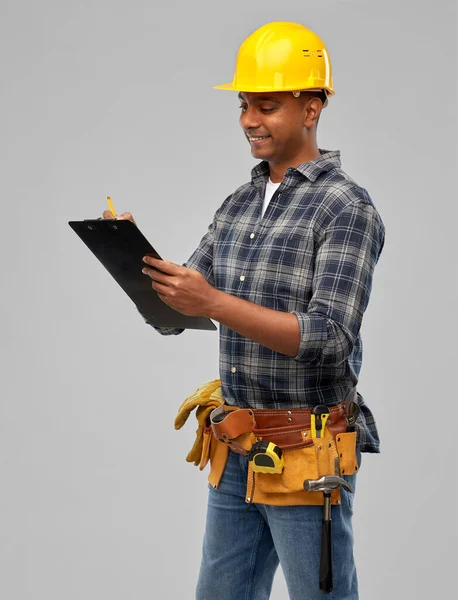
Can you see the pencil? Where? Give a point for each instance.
(111, 207)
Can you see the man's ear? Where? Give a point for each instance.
(312, 111)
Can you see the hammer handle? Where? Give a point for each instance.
(326, 582)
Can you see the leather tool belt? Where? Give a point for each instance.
(283, 427)
(305, 455)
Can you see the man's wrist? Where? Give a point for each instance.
(215, 305)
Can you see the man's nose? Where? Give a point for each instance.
(249, 119)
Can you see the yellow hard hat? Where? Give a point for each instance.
(282, 56)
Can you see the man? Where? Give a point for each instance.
(286, 268)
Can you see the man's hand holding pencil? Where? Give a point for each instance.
(110, 214)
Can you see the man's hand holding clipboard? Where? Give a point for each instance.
(183, 289)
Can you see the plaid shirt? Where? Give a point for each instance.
(312, 254)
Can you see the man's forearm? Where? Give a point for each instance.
(273, 329)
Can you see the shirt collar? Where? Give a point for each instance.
(328, 159)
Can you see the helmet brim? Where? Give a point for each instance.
(225, 86)
(230, 87)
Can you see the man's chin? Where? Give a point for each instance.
(260, 154)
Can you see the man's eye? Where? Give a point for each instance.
(261, 108)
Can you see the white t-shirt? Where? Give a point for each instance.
(270, 190)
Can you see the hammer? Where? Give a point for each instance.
(326, 485)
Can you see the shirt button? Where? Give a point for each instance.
(252, 236)
(242, 277)
(233, 369)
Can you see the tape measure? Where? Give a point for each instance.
(266, 457)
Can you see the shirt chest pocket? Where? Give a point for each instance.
(270, 266)
(288, 260)
(288, 249)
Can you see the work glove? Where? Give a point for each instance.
(205, 399)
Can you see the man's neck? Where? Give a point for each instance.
(278, 169)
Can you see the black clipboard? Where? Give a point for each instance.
(120, 246)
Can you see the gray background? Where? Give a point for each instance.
(116, 98)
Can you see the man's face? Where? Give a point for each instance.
(273, 123)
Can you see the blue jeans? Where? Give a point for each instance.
(243, 548)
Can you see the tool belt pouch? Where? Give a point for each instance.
(206, 447)
(238, 439)
(217, 453)
(346, 448)
(312, 459)
(210, 451)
